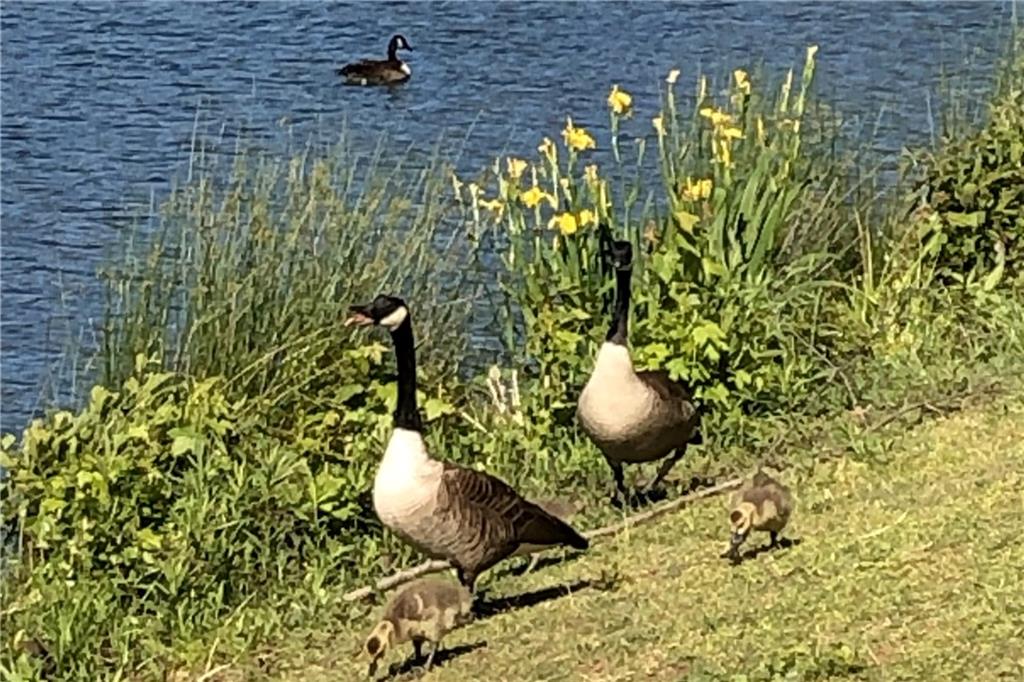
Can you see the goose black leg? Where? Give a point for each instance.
(666, 466)
(417, 649)
(621, 495)
(774, 540)
(466, 578)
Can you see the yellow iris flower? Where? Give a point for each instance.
(577, 138)
(569, 223)
(566, 223)
(659, 125)
(496, 205)
(620, 101)
(547, 149)
(700, 189)
(532, 197)
(742, 81)
(516, 167)
(716, 116)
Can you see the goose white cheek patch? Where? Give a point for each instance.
(395, 319)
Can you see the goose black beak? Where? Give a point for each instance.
(359, 316)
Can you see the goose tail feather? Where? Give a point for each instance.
(547, 529)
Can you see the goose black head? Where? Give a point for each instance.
(384, 311)
(622, 255)
(398, 42)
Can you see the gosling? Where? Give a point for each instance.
(425, 610)
(762, 504)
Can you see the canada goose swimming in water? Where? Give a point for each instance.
(388, 71)
(425, 610)
(761, 504)
(632, 416)
(447, 511)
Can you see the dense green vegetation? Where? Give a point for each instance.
(213, 492)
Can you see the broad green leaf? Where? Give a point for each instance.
(958, 219)
(686, 220)
(435, 407)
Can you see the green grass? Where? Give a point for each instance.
(907, 567)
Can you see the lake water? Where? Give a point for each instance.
(99, 103)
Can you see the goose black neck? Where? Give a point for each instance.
(407, 415)
(393, 51)
(619, 330)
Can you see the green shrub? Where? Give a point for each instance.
(971, 217)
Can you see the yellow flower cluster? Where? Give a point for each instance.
(725, 131)
(697, 189)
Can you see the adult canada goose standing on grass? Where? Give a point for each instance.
(447, 511)
(390, 71)
(632, 416)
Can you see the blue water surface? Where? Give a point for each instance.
(100, 102)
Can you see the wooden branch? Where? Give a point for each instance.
(644, 517)
(436, 566)
(397, 579)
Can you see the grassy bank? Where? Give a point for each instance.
(905, 568)
(213, 492)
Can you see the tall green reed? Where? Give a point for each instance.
(249, 272)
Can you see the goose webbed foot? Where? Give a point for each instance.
(636, 498)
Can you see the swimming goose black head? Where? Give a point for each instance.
(397, 42)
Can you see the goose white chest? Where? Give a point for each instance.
(405, 487)
(614, 405)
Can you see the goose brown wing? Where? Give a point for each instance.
(495, 516)
(361, 68)
(666, 387)
(677, 394)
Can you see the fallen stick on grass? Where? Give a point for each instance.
(437, 565)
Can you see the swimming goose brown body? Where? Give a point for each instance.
(390, 71)
(634, 417)
(423, 611)
(447, 511)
